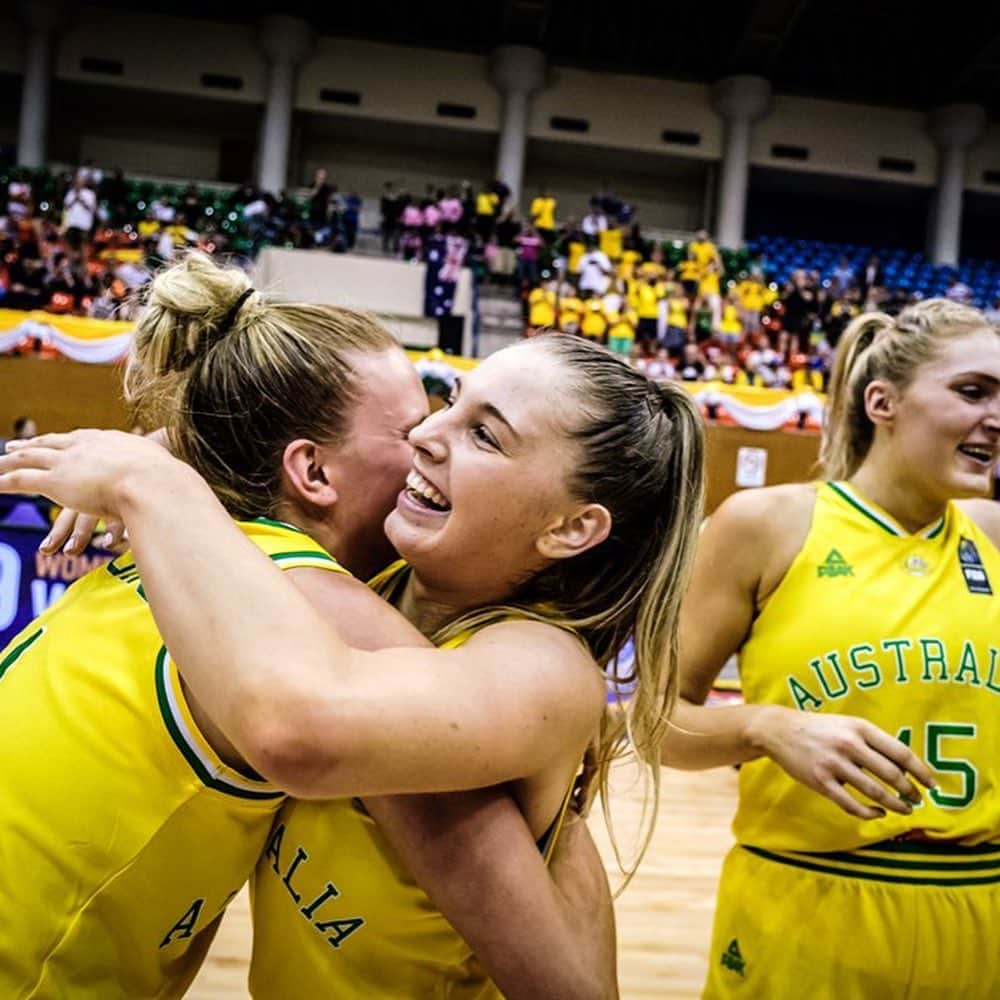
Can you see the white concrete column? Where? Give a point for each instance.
(954, 128)
(285, 41)
(40, 18)
(739, 101)
(517, 72)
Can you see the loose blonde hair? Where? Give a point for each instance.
(890, 348)
(639, 451)
(234, 376)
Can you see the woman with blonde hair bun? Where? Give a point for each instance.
(864, 614)
(550, 512)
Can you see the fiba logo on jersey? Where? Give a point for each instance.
(972, 568)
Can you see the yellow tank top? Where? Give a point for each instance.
(122, 834)
(336, 914)
(902, 630)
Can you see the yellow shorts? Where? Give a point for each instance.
(874, 924)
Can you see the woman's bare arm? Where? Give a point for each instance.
(318, 717)
(540, 933)
(561, 936)
(743, 553)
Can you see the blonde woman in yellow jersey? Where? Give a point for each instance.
(864, 612)
(126, 837)
(574, 480)
(127, 821)
(372, 931)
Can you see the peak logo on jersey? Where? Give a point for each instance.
(834, 565)
(732, 958)
(972, 568)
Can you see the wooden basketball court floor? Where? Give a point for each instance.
(664, 916)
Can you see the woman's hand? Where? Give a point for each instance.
(72, 532)
(831, 753)
(87, 471)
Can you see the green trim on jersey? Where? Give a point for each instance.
(22, 647)
(203, 766)
(844, 491)
(306, 557)
(841, 490)
(936, 870)
(276, 524)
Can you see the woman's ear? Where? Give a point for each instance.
(881, 400)
(574, 533)
(308, 469)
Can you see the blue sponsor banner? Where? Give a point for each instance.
(29, 580)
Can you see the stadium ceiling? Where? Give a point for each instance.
(901, 53)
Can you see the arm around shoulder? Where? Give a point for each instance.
(408, 720)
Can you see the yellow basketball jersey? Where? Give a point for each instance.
(337, 914)
(122, 833)
(903, 630)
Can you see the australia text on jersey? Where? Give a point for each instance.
(866, 666)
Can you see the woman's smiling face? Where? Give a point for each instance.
(490, 475)
(946, 430)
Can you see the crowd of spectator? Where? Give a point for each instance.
(85, 243)
(694, 313)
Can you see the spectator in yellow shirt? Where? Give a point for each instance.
(689, 272)
(704, 251)
(570, 312)
(628, 264)
(487, 207)
(654, 266)
(678, 320)
(731, 327)
(610, 242)
(541, 309)
(648, 293)
(710, 292)
(752, 295)
(621, 333)
(594, 325)
(543, 216)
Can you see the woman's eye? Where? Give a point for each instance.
(482, 434)
(971, 391)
